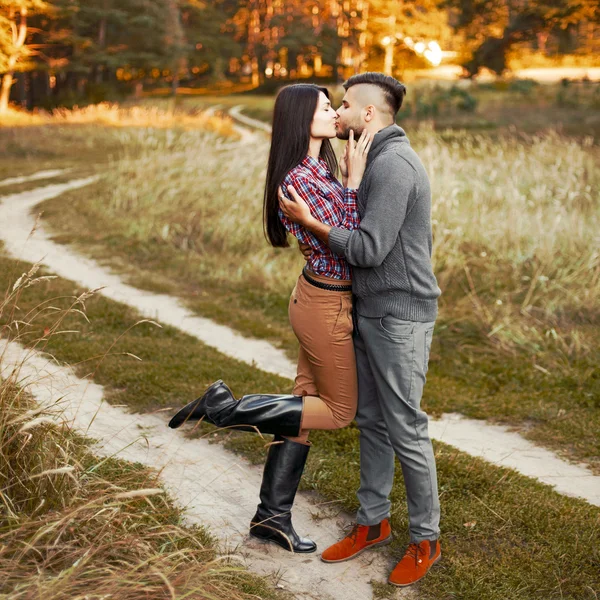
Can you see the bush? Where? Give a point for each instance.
(523, 86)
(440, 101)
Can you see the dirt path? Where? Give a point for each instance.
(35, 177)
(494, 443)
(236, 114)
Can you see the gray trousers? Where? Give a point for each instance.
(392, 357)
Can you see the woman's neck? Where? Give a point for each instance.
(314, 147)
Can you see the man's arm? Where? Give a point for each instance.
(391, 185)
(306, 193)
(297, 211)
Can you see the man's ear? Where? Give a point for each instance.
(369, 113)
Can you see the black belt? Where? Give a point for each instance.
(326, 286)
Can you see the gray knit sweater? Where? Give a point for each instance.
(390, 253)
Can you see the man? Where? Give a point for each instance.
(396, 296)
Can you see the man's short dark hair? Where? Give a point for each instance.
(393, 90)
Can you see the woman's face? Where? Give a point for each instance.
(324, 121)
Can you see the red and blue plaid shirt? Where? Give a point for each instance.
(330, 203)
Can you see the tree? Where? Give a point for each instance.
(492, 27)
(16, 47)
(399, 30)
(120, 38)
(210, 35)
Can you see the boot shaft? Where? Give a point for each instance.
(269, 413)
(281, 476)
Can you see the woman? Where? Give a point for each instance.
(320, 309)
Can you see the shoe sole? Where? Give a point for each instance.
(385, 542)
(281, 545)
(415, 581)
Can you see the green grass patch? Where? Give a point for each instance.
(27, 150)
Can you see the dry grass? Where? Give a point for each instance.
(74, 526)
(516, 226)
(115, 115)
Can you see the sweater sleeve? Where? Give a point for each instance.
(391, 184)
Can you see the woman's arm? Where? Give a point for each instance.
(351, 219)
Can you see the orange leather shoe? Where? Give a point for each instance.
(361, 538)
(416, 562)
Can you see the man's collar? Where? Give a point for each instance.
(381, 138)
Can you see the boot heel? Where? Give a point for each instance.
(269, 535)
(275, 536)
(281, 477)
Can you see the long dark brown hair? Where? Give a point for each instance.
(293, 114)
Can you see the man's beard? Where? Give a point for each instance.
(344, 134)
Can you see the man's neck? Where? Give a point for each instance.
(374, 127)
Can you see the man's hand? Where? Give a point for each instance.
(306, 250)
(295, 210)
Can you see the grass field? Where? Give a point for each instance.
(524, 105)
(515, 226)
(505, 536)
(516, 222)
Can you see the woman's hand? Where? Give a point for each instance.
(296, 210)
(356, 157)
(344, 165)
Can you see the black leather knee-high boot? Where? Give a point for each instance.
(281, 477)
(267, 413)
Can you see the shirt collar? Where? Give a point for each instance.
(317, 164)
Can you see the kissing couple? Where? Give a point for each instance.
(363, 309)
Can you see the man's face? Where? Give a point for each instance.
(350, 115)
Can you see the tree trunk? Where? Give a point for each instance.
(47, 88)
(38, 88)
(18, 41)
(81, 81)
(7, 81)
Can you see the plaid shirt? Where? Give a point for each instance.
(330, 203)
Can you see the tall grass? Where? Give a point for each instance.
(515, 222)
(75, 526)
(115, 115)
